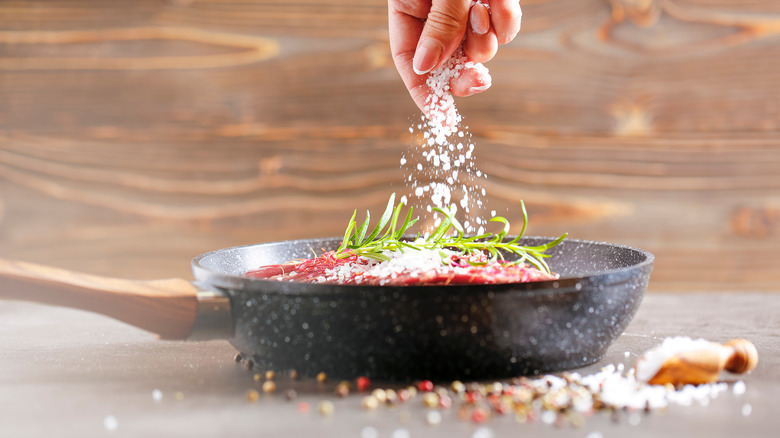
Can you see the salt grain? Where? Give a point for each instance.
(739, 388)
(400, 433)
(369, 432)
(111, 423)
(157, 395)
(747, 409)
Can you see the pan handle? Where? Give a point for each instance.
(172, 308)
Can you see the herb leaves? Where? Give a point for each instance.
(387, 235)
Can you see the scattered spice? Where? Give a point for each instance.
(293, 375)
(326, 408)
(369, 403)
(363, 384)
(425, 386)
(252, 395)
(342, 389)
(269, 375)
(269, 387)
(322, 377)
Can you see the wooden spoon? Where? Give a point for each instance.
(704, 364)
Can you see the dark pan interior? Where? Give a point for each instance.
(436, 332)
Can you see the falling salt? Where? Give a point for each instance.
(739, 388)
(453, 180)
(747, 409)
(157, 395)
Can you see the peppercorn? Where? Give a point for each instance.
(380, 395)
(369, 403)
(269, 387)
(326, 407)
(480, 414)
(445, 401)
(269, 375)
(322, 377)
(257, 377)
(293, 375)
(430, 399)
(425, 386)
(458, 387)
(390, 396)
(363, 384)
(252, 396)
(342, 389)
(291, 394)
(239, 357)
(403, 395)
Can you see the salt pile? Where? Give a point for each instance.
(440, 169)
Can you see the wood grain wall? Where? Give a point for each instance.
(137, 134)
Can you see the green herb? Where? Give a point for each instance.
(448, 234)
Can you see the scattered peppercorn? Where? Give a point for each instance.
(430, 399)
(363, 384)
(239, 357)
(293, 375)
(269, 387)
(342, 389)
(304, 407)
(326, 407)
(269, 375)
(369, 403)
(321, 377)
(425, 386)
(480, 414)
(257, 377)
(291, 394)
(380, 395)
(252, 395)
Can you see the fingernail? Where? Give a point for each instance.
(427, 56)
(475, 90)
(479, 19)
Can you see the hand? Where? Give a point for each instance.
(425, 33)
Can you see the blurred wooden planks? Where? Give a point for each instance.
(135, 135)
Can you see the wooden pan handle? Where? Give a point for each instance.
(166, 307)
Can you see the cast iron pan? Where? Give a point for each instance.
(386, 333)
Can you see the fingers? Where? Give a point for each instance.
(441, 35)
(481, 42)
(471, 81)
(405, 22)
(505, 17)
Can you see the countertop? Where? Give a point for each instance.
(71, 373)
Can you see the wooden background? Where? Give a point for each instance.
(135, 135)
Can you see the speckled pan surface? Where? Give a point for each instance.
(430, 332)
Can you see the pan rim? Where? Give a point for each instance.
(223, 280)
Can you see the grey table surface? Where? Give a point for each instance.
(64, 372)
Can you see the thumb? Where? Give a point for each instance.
(442, 34)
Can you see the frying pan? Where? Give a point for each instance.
(391, 333)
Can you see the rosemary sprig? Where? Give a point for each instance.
(448, 234)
